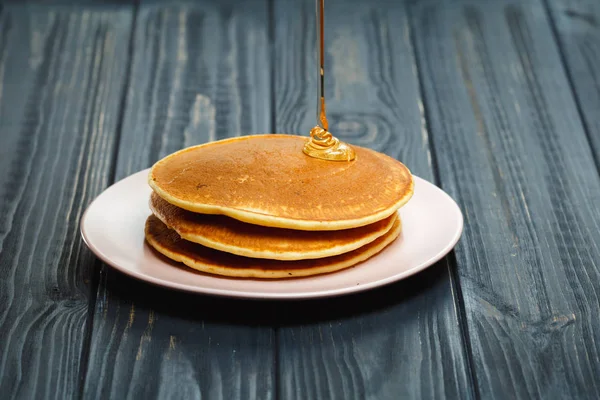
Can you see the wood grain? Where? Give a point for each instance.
(512, 150)
(199, 73)
(578, 30)
(61, 79)
(404, 340)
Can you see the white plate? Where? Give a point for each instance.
(113, 228)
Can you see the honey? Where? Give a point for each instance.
(322, 144)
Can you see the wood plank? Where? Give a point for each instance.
(61, 79)
(578, 30)
(512, 150)
(402, 341)
(199, 73)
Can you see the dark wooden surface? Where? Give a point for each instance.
(199, 72)
(496, 101)
(513, 152)
(577, 26)
(61, 79)
(404, 340)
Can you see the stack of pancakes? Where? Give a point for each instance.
(258, 207)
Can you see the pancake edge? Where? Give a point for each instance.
(282, 256)
(231, 272)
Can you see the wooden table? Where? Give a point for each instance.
(496, 101)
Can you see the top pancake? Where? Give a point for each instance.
(267, 180)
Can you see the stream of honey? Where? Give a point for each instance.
(322, 144)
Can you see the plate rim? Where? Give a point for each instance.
(272, 295)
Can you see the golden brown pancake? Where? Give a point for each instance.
(230, 235)
(267, 180)
(170, 244)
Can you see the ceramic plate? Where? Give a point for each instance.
(113, 228)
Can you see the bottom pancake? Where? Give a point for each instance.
(204, 259)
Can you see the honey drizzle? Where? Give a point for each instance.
(321, 115)
(322, 144)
